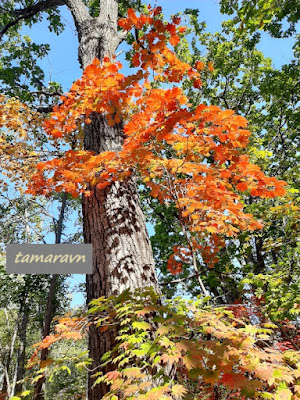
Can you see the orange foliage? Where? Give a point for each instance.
(18, 125)
(66, 328)
(192, 157)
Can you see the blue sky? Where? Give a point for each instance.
(62, 65)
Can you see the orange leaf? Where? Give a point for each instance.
(174, 40)
(113, 375)
(242, 186)
(199, 66)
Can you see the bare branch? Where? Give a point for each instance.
(47, 94)
(175, 281)
(29, 12)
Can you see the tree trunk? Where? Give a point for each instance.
(122, 255)
(22, 333)
(259, 266)
(38, 389)
(6, 386)
(113, 221)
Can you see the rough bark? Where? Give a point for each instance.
(98, 37)
(122, 255)
(112, 217)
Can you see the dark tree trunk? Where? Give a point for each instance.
(259, 266)
(38, 388)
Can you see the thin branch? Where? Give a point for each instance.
(223, 95)
(59, 225)
(174, 194)
(29, 12)
(45, 93)
(174, 281)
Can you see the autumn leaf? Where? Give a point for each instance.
(234, 380)
(112, 375)
(178, 390)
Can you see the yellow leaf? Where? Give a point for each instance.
(45, 363)
(284, 394)
(178, 390)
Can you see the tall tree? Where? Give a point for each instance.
(112, 217)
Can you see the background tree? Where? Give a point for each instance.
(244, 80)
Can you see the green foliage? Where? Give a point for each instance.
(269, 15)
(19, 69)
(20, 72)
(280, 294)
(67, 378)
(173, 349)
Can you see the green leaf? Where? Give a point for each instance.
(143, 326)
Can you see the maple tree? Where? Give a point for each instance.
(17, 123)
(189, 156)
(180, 349)
(248, 83)
(204, 168)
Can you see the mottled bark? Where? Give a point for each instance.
(112, 217)
(114, 224)
(98, 37)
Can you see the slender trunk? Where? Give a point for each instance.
(274, 256)
(259, 266)
(6, 386)
(22, 349)
(38, 389)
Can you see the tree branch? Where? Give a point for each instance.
(29, 12)
(78, 11)
(46, 109)
(174, 281)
